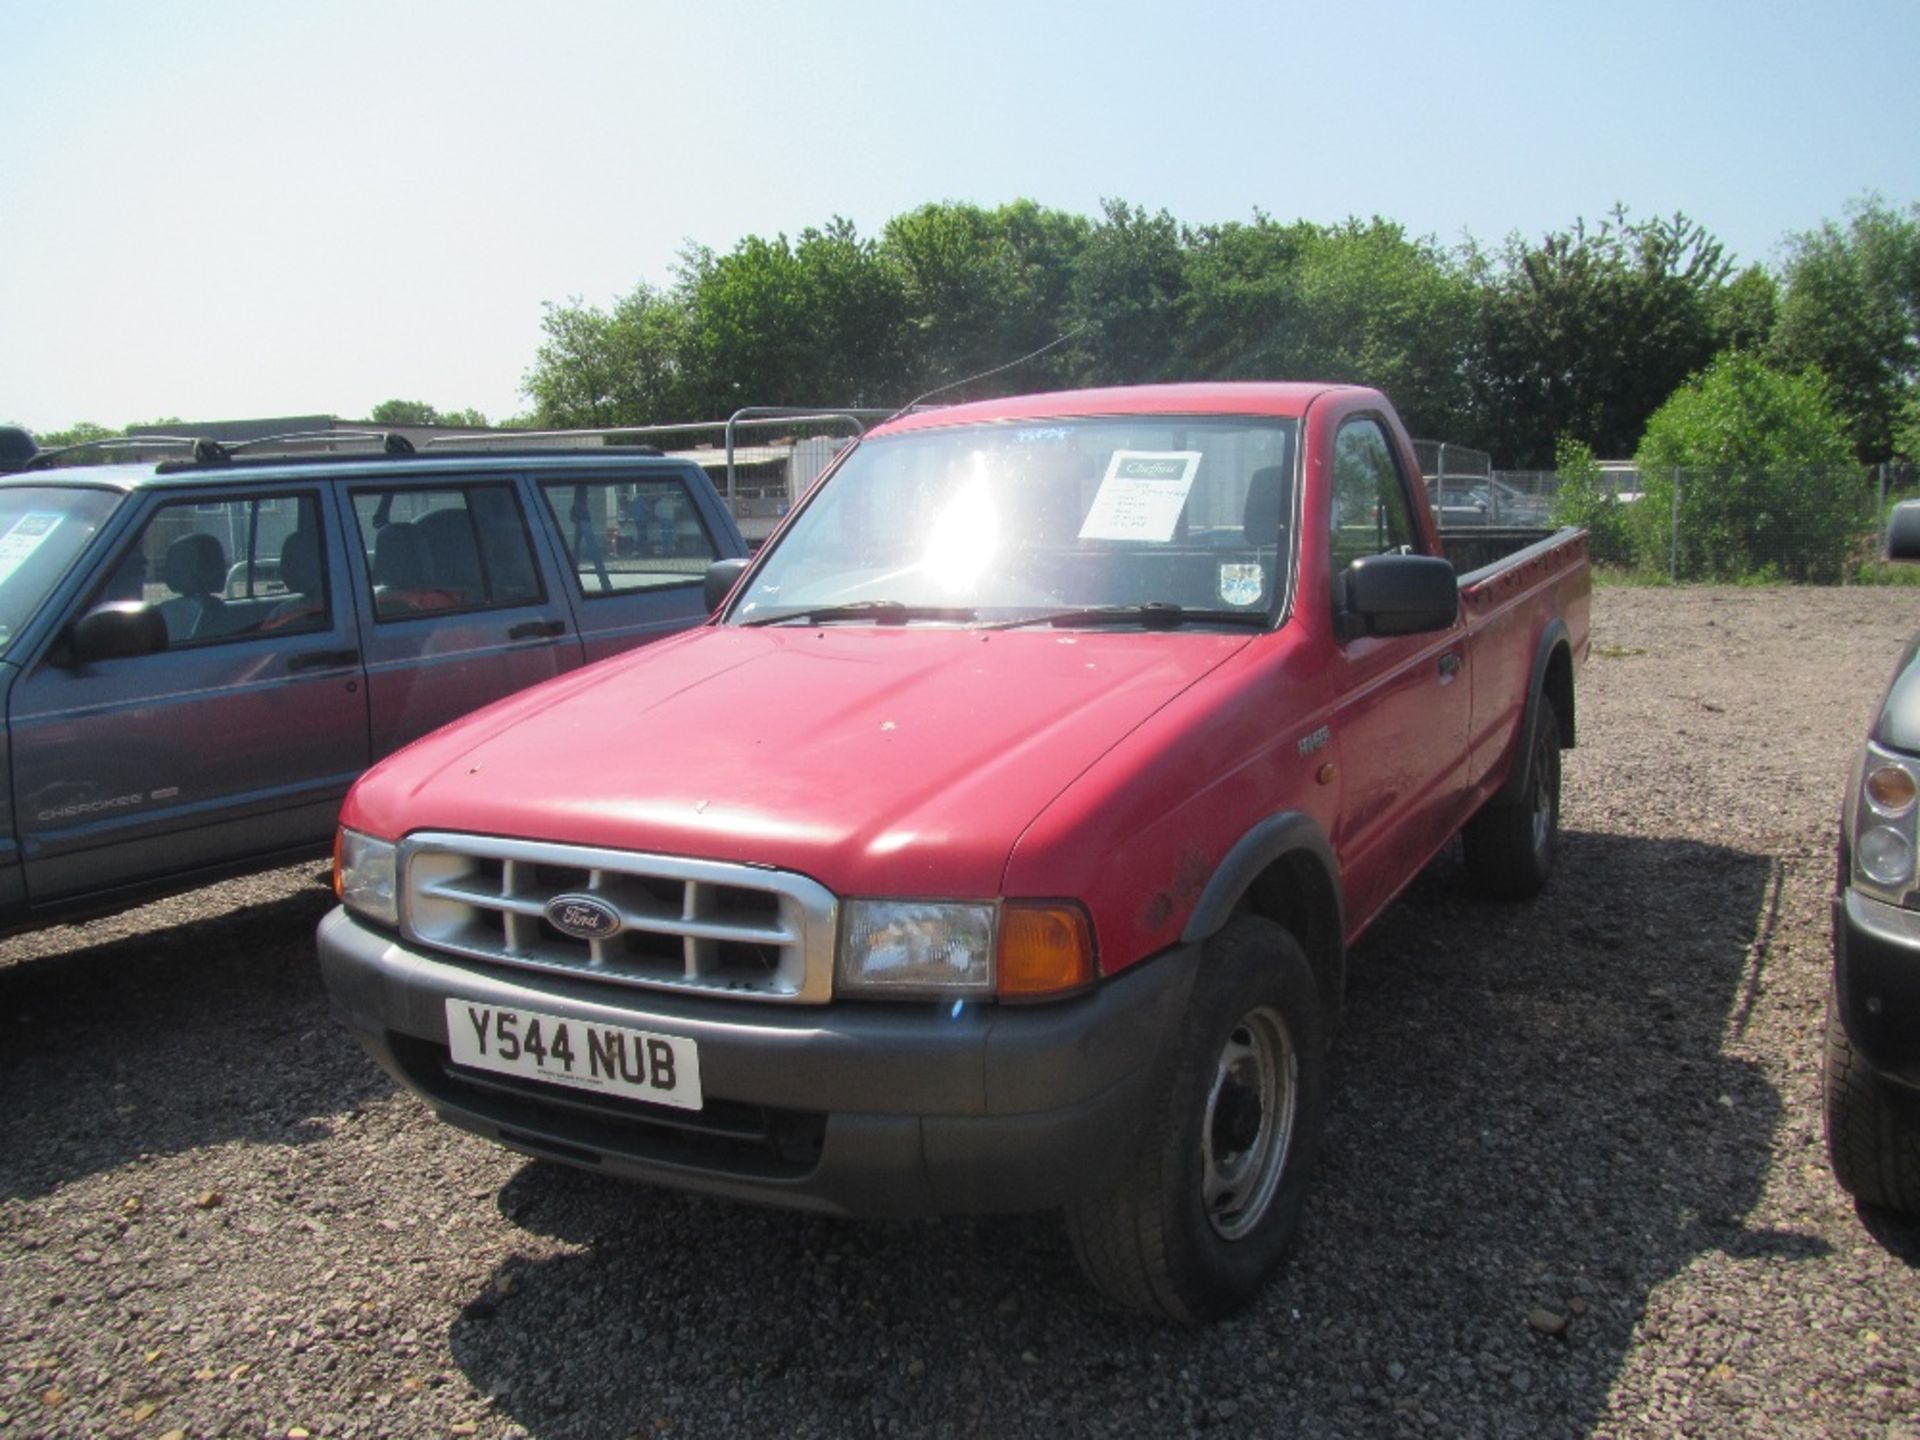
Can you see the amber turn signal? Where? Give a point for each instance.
(1045, 949)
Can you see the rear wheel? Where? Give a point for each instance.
(1510, 844)
(1212, 1192)
(1875, 1150)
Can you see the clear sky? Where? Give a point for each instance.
(219, 209)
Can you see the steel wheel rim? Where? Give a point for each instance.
(1543, 789)
(1246, 1134)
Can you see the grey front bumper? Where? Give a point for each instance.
(851, 1108)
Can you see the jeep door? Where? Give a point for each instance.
(235, 739)
(457, 607)
(636, 548)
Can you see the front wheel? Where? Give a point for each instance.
(1510, 844)
(1211, 1194)
(1874, 1147)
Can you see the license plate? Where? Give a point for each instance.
(611, 1059)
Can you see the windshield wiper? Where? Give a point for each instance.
(880, 612)
(1153, 615)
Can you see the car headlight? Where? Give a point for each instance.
(1883, 825)
(365, 876)
(916, 948)
(932, 949)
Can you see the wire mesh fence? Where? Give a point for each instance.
(1739, 524)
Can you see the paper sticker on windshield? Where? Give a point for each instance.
(28, 534)
(1141, 495)
(1241, 584)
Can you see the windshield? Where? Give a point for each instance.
(1155, 519)
(42, 528)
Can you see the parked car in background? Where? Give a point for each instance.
(197, 656)
(1872, 1069)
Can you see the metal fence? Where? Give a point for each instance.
(1731, 524)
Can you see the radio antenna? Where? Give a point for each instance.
(984, 374)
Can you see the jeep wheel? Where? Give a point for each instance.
(1211, 1194)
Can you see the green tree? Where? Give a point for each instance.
(856, 311)
(403, 412)
(1765, 473)
(1744, 311)
(1128, 281)
(418, 412)
(1360, 302)
(1852, 307)
(1588, 331)
(624, 366)
(983, 287)
(77, 433)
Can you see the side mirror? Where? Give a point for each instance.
(1903, 531)
(721, 576)
(117, 631)
(1400, 595)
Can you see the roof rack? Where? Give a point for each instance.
(204, 448)
(391, 441)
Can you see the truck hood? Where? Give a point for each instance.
(875, 759)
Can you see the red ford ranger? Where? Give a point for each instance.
(997, 845)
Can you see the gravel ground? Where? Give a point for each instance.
(1573, 1183)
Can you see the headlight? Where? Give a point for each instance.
(1883, 825)
(929, 949)
(916, 948)
(364, 876)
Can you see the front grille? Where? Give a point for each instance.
(699, 925)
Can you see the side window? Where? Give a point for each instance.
(1370, 511)
(447, 549)
(625, 535)
(229, 569)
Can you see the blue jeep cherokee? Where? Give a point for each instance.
(197, 656)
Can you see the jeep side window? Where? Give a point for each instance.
(446, 549)
(228, 569)
(626, 535)
(1370, 511)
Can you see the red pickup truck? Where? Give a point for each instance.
(999, 842)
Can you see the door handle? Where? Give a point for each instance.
(528, 629)
(323, 659)
(1449, 665)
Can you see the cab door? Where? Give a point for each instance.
(455, 603)
(236, 740)
(1402, 702)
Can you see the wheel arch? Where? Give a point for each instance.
(1284, 870)
(1551, 677)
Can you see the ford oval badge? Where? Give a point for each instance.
(585, 917)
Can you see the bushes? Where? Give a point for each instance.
(1584, 497)
(1766, 485)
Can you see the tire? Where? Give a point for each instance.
(1211, 1193)
(1510, 844)
(1874, 1149)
